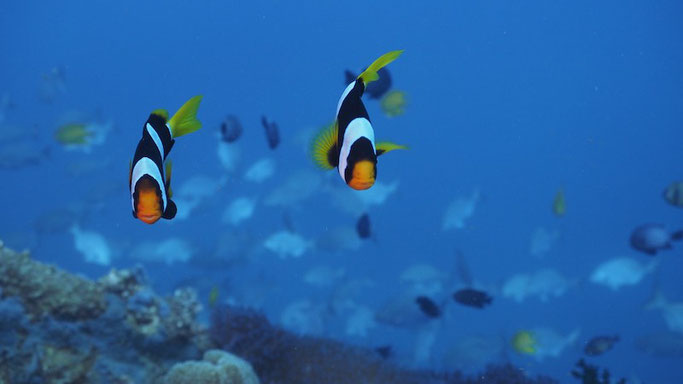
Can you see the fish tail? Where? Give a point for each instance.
(185, 121)
(370, 74)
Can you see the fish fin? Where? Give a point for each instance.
(169, 170)
(678, 235)
(171, 210)
(349, 77)
(185, 119)
(386, 146)
(324, 147)
(161, 113)
(370, 74)
(135, 215)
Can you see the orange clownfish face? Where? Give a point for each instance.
(148, 207)
(363, 175)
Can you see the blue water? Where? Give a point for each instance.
(516, 99)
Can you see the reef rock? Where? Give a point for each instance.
(56, 327)
(46, 290)
(218, 367)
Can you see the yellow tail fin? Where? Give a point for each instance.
(185, 119)
(370, 74)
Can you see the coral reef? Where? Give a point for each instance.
(58, 328)
(590, 374)
(46, 290)
(280, 357)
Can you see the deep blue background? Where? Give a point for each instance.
(515, 98)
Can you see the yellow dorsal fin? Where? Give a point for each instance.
(161, 112)
(370, 74)
(324, 147)
(386, 146)
(185, 119)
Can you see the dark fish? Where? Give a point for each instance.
(272, 132)
(428, 307)
(384, 351)
(472, 298)
(673, 194)
(374, 90)
(231, 129)
(363, 226)
(600, 344)
(650, 238)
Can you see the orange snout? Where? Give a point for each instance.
(363, 175)
(149, 206)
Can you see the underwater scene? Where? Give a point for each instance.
(315, 192)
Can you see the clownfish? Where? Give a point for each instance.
(150, 173)
(349, 143)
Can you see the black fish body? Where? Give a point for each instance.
(600, 344)
(472, 298)
(231, 129)
(428, 307)
(363, 226)
(376, 89)
(650, 238)
(272, 132)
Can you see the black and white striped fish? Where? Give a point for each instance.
(349, 143)
(150, 172)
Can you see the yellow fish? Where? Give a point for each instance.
(524, 342)
(73, 134)
(394, 103)
(559, 204)
(213, 296)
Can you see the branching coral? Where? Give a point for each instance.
(280, 357)
(590, 374)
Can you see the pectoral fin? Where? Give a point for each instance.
(386, 146)
(325, 149)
